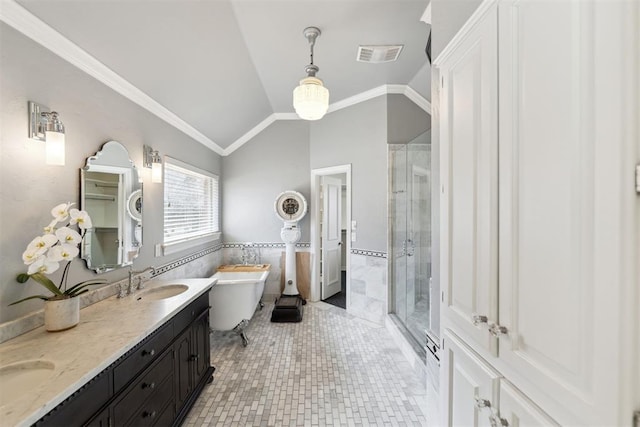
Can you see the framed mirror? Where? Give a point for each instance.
(112, 195)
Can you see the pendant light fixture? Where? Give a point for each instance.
(311, 98)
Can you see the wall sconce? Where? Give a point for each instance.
(46, 126)
(152, 160)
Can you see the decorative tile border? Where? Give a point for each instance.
(369, 253)
(235, 245)
(187, 259)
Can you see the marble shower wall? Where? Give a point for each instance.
(368, 290)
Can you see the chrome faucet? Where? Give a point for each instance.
(129, 288)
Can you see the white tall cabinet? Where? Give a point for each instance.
(540, 218)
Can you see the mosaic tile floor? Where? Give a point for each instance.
(331, 369)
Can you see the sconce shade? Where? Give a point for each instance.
(54, 148)
(152, 160)
(311, 99)
(156, 173)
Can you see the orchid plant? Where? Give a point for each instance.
(45, 253)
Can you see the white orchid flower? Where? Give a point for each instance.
(63, 252)
(81, 218)
(43, 265)
(43, 242)
(32, 254)
(67, 235)
(49, 229)
(61, 212)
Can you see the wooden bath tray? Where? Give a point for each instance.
(244, 268)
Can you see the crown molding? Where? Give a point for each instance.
(348, 102)
(23, 21)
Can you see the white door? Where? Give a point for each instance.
(564, 182)
(468, 162)
(331, 236)
(470, 386)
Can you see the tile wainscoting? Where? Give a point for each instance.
(367, 291)
(199, 264)
(266, 253)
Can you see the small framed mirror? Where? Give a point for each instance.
(112, 195)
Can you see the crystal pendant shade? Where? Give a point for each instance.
(311, 99)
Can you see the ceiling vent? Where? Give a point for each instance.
(379, 54)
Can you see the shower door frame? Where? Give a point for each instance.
(392, 305)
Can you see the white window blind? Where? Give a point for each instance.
(190, 202)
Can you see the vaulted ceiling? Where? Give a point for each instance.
(222, 70)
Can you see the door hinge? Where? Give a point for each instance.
(638, 178)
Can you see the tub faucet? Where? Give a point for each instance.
(249, 254)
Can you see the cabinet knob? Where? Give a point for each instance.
(149, 385)
(477, 319)
(147, 414)
(497, 330)
(496, 421)
(148, 352)
(482, 403)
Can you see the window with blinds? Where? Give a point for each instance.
(190, 202)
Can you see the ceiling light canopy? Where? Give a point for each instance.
(311, 98)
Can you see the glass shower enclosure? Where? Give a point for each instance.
(410, 235)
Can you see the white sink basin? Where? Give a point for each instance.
(20, 378)
(162, 292)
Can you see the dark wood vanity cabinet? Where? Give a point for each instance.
(155, 383)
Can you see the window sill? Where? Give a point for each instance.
(181, 245)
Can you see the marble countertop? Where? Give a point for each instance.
(107, 330)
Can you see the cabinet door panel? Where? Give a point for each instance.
(470, 388)
(183, 368)
(518, 411)
(560, 205)
(469, 177)
(201, 347)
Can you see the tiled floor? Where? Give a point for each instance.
(331, 369)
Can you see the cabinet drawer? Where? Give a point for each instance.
(145, 387)
(81, 406)
(142, 356)
(152, 410)
(189, 313)
(167, 416)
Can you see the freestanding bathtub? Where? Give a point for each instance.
(234, 299)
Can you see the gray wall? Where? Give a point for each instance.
(283, 155)
(358, 135)
(92, 114)
(405, 120)
(447, 17)
(274, 161)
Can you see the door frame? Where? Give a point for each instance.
(316, 174)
